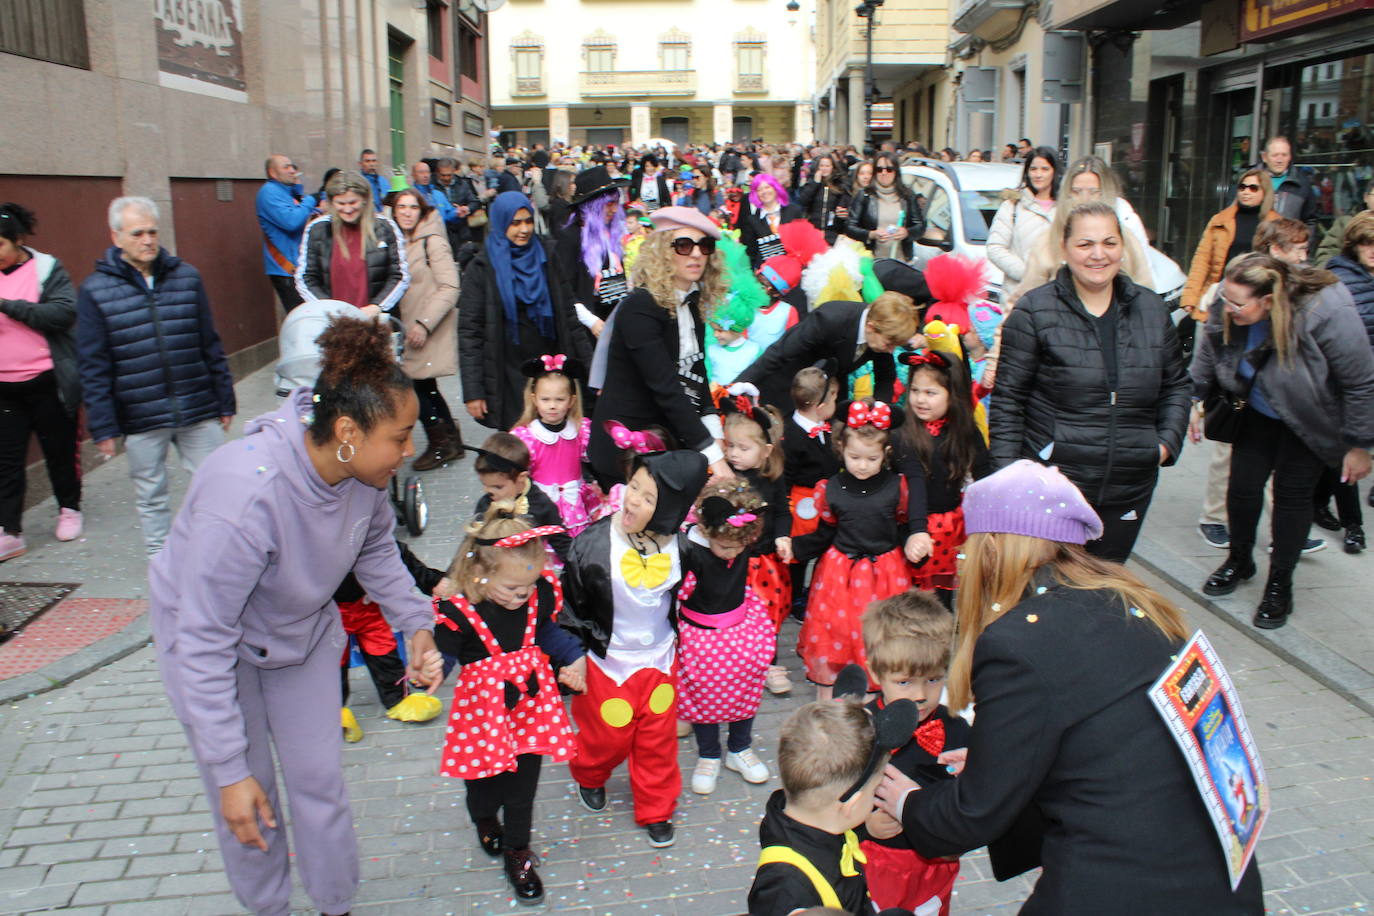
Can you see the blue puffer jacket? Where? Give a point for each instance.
(150, 358)
(1360, 282)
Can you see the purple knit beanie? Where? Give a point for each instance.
(1030, 499)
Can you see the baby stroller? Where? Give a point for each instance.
(299, 365)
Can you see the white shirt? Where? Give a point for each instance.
(862, 343)
(688, 351)
(641, 637)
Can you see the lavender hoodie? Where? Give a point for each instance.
(247, 575)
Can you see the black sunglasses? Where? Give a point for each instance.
(1251, 187)
(684, 246)
(885, 168)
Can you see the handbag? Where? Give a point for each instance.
(1223, 412)
(477, 219)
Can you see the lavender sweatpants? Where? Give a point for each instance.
(297, 709)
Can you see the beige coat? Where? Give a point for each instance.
(430, 300)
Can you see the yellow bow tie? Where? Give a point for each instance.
(852, 853)
(645, 572)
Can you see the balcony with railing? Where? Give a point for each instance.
(617, 83)
(527, 86)
(751, 83)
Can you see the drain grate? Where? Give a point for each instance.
(22, 602)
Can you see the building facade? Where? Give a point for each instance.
(609, 72)
(182, 102)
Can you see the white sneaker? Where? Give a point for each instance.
(747, 764)
(704, 775)
(777, 680)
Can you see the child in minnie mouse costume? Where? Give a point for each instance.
(619, 582)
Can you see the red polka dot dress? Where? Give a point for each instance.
(506, 704)
(722, 658)
(943, 518)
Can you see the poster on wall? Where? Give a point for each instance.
(200, 47)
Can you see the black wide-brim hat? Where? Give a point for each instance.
(591, 182)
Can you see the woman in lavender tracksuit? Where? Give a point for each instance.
(247, 636)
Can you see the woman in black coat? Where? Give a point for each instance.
(769, 207)
(1092, 380)
(511, 308)
(824, 194)
(1069, 766)
(654, 375)
(886, 216)
(334, 245)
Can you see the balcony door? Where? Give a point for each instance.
(674, 129)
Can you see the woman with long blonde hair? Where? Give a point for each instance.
(352, 254)
(1069, 767)
(654, 350)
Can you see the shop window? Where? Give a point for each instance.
(49, 30)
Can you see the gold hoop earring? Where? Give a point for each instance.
(339, 452)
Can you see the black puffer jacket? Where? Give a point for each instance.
(1360, 282)
(387, 273)
(1053, 402)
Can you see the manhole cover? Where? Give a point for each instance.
(22, 602)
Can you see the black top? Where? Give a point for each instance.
(755, 234)
(938, 493)
(777, 520)
(508, 628)
(425, 577)
(1247, 222)
(542, 512)
(720, 583)
(921, 765)
(818, 202)
(779, 888)
(1106, 336)
(1069, 754)
(601, 298)
(864, 518)
(806, 460)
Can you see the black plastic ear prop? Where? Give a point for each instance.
(893, 725)
(850, 684)
(497, 462)
(716, 510)
(543, 365)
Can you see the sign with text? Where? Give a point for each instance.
(200, 47)
(1263, 19)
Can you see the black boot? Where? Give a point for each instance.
(489, 834)
(1354, 539)
(1277, 603)
(1323, 517)
(529, 890)
(1238, 567)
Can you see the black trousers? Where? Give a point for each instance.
(708, 737)
(286, 291)
(433, 408)
(1347, 498)
(386, 672)
(1121, 524)
(1266, 446)
(513, 792)
(28, 408)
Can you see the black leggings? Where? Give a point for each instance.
(1347, 498)
(512, 791)
(1121, 524)
(1267, 446)
(433, 408)
(386, 672)
(34, 407)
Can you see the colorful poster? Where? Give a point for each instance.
(200, 46)
(1199, 705)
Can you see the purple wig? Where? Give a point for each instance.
(600, 238)
(765, 178)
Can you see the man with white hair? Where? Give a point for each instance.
(152, 366)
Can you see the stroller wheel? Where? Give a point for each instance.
(415, 510)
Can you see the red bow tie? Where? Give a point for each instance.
(930, 735)
(817, 432)
(934, 426)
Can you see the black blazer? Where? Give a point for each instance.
(830, 332)
(642, 386)
(1070, 767)
(753, 227)
(665, 197)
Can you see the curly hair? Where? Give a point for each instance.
(653, 270)
(359, 377)
(743, 497)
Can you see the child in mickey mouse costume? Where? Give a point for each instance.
(619, 580)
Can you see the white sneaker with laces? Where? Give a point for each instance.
(704, 775)
(777, 681)
(747, 764)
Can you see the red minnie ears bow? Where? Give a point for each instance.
(927, 357)
(515, 540)
(878, 416)
(642, 441)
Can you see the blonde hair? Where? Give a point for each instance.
(474, 563)
(910, 634)
(1289, 284)
(342, 183)
(531, 412)
(894, 316)
(823, 745)
(653, 270)
(997, 571)
(743, 424)
(1093, 165)
(1266, 185)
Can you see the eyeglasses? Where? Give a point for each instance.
(1251, 187)
(684, 246)
(885, 168)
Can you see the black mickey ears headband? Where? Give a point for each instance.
(539, 366)
(745, 406)
(497, 462)
(717, 512)
(892, 725)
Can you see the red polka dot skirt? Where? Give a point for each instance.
(841, 590)
(720, 672)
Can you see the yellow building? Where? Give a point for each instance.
(612, 71)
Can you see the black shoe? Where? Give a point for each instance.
(593, 800)
(660, 834)
(529, 890)
(1276, 605)
(1324, 519)
(1354, 539)
(489, 834)
(1229, 576)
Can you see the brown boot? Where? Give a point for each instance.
(439, 449)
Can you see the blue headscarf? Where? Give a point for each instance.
(519, 269)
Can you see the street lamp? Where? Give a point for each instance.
(867, 10)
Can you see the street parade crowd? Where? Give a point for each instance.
(719, 394)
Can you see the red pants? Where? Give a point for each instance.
(364, 620)
(905, 878)
(637, 719)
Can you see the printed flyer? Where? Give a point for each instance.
(1199, 705)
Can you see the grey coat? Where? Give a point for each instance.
(1325, 395)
